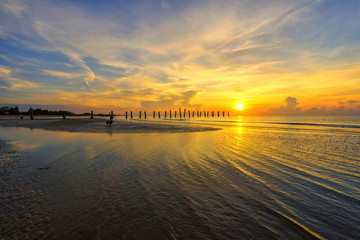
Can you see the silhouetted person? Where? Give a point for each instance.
(109, 121)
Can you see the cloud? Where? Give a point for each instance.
(7, 81)
(350, 102)
(187, 96)
(173, 100)
(14, 7)
(292, 109)
(289, 108)
(4, 70)
(77, 60)
(333, 111)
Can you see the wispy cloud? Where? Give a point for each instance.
(77, 60)
(13, 84)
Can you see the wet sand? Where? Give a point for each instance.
(98, 125)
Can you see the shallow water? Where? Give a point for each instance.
(257, 178)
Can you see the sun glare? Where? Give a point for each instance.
(240, 106)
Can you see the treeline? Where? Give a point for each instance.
(9, 111)
(40, 111)
(37, 111)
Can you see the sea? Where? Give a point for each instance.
(258, 177)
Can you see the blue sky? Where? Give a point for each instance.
(196, 54)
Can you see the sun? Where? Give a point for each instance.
(240, 106)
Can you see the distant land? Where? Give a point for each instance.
(25, 107)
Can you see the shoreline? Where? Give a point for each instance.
(97, 125)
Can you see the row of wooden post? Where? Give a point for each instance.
(198, 114)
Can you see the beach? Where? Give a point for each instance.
(98, 125)
(252, 178)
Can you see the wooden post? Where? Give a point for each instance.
(126, 115)
(212, 113)
(145, 114)
(92, 114)
(131, 115)
(228, 114)
(200, 113)
(140, 114)
(193, 113)
(63, 115)
(180, 112)
(223, 113)
(207, 114)
(204, 114)
(32, 115)
(189, 113)
(175, 113)
(170, 113)
(184, 113)
(154, 114)
(112, 115)
(165, 114)
(218, 114)
(159, 113)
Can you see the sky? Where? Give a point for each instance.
(274, 57)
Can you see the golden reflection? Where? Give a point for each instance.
(239, 130)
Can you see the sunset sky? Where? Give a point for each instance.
(274, 57)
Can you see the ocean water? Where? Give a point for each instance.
(273, 177)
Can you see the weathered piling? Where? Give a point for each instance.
(126, 115)
(159, 113)
(228, 114)
(218, 114)
(193, 113)
(131, 115)
(170, 113)
(207, 114)
(145, 114)
(197, 113)
(223, 113)
(112, 115)
(180, 112)
(32, 115)
(92, 114)
(184, 113)
(165, 114)
(189, 113)
(175, 113)
(63, 115)
(200, 113)
(154, 114)
(140, 114)
(212, 113)
(204, 114)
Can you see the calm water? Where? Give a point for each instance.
(257, 178)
